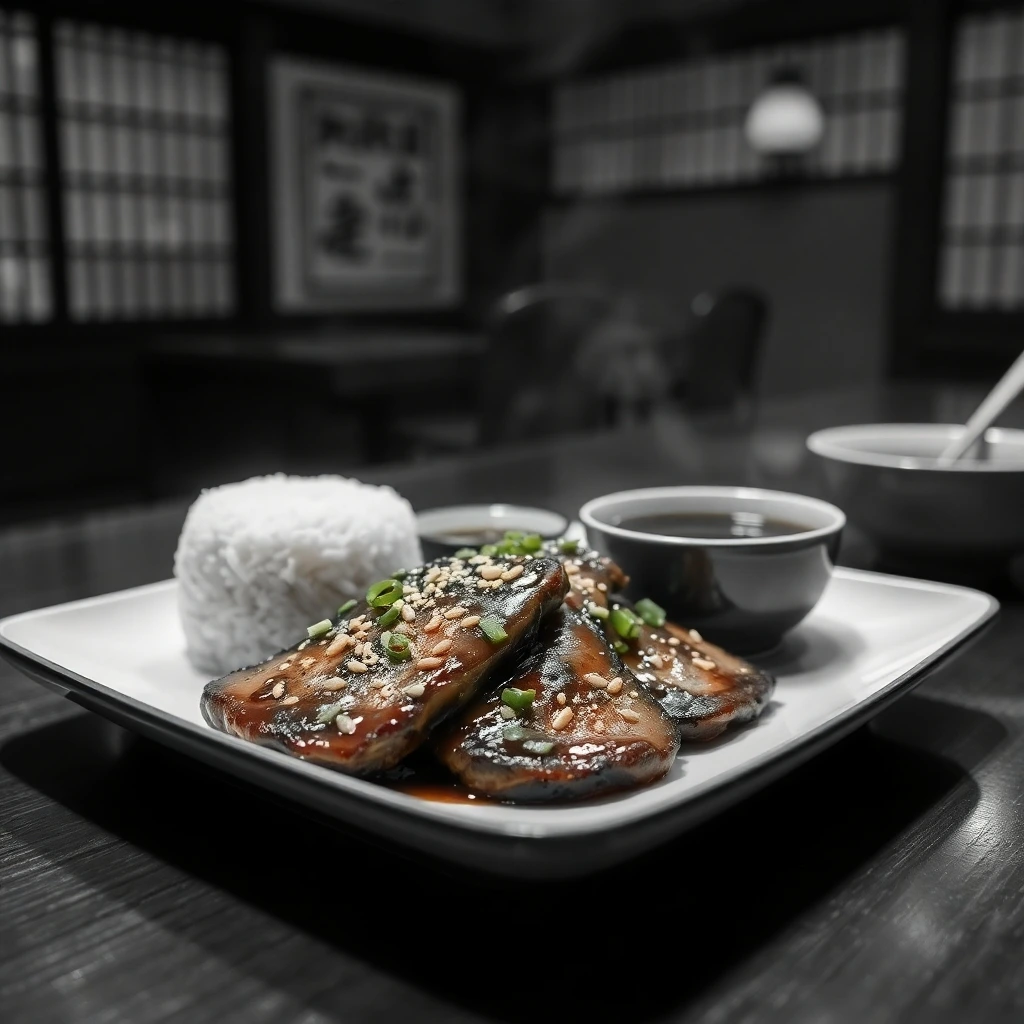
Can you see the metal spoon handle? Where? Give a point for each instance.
(1006, 390)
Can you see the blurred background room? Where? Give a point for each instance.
(324, 235)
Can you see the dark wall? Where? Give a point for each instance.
(819, 253)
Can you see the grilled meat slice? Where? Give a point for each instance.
(341, 700)
(590, 728)
(704, 688)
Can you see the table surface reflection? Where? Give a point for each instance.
(881, 882)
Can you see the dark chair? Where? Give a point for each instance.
(715, 363)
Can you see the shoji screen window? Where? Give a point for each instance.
(24, 248)
(144, 136)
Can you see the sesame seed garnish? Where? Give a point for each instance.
(414, 690)
(629, 714)
(278, 691)
(284, 666)
(571, 568)
(443, 647)
(306, 662)
(655, 660)
(562, 719)
(455, 613)
(425, 664)
(470, 621)
(432, 573)
(433, 624)
(490, 572)
(506, 712)
(338, 644)
(511, 574)
(704, 663)
(603, 587)
(674, 641)
(345, 725)
(634, 694)
(696, 636)
(560, 697)
(291, 700)
(334, 684)
(355, 666)
(615, 686)
(596, 680)
(408, 613)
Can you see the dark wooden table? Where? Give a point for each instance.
(884, 881)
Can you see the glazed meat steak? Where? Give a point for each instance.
(361, 695)
(704, 688)
(590, 727)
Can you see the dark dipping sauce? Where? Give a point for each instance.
(712, 525)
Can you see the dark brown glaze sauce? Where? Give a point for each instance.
(338, 700)
(592, 729)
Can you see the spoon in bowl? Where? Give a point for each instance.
(1005, 391)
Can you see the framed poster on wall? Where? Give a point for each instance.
(365, 190)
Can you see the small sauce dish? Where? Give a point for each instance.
(444, 530)
(741, 565)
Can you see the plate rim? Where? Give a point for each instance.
(537, 825)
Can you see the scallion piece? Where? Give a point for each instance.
(620, 647)
(653, 614)
(397, 647)
(400, 574)
(514, 535)
(489, 549)
(538, 746)
(568, 547)
(506, 547)
(625, 623)
(531, 542)
(329, 714)
(464, 553)
(493, 629)
(389, 616)
(518, 700)
(597, 611)
(318, 629)
(383, 593)
(347, 606)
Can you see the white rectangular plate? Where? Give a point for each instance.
(870, 639)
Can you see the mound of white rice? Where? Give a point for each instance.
(259, 561)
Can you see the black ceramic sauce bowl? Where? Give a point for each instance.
(742, 592)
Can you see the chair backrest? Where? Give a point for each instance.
(530, 382)
(723, 346)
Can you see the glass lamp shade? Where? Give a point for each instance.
(784, 119)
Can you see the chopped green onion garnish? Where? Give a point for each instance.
(538, 746)
(620, 647)
(506, 547)
(464, 553)
(319, 628)
(400, 574)
(514, 535)
(653, 614)
(329, 714)
(388, 617)
(597, 611)
(532, 542)
(568, 547)
(397, 647)
(493, 629)
(347, 606)
(383, 593)
(489, 549)
(625, 623)
(518, 700)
